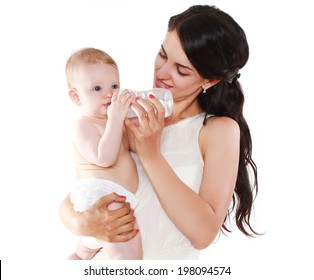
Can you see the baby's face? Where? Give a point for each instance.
(95, 84)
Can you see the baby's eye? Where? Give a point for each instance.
(115, 86)
(97, 88)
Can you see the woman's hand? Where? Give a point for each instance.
(99, 222)
(147, 131)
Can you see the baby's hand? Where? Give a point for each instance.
(120, 104)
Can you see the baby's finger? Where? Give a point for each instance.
(115, 95)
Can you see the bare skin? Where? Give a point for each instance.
(219, 143)
(100, 222)
(101, 150)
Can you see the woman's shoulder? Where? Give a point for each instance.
(220, 127)
(221, 122)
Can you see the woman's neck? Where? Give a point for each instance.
(181, 112)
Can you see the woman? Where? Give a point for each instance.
(193, 164)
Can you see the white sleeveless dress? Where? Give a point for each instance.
(161, 239)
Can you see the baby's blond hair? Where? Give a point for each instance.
(86, 56)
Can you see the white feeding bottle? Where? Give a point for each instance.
(164, 96)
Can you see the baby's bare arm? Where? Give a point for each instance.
(101, 145)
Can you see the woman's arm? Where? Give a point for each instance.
(197, 216)
(98, 221)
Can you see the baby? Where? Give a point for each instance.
(101, 147)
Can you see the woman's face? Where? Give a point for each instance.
(174, 71)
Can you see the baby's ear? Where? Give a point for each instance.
(74, 96)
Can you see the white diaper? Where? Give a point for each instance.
(88, 190)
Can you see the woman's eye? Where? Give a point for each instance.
(180, 73)
(97, 88)
(162, 55)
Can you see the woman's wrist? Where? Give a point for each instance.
(71, 219)
(149, 160)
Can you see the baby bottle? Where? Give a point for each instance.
(164, 96)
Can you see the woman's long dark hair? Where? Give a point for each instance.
(217, 47)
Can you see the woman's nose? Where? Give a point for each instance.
(163, 72)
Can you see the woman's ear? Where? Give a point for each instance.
(209, 83)
(74, 96)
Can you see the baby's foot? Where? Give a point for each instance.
(73, 256)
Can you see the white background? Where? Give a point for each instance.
(36, 115)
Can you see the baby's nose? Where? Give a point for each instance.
(108, 94)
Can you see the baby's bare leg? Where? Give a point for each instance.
(83, 252)
(130, 250)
